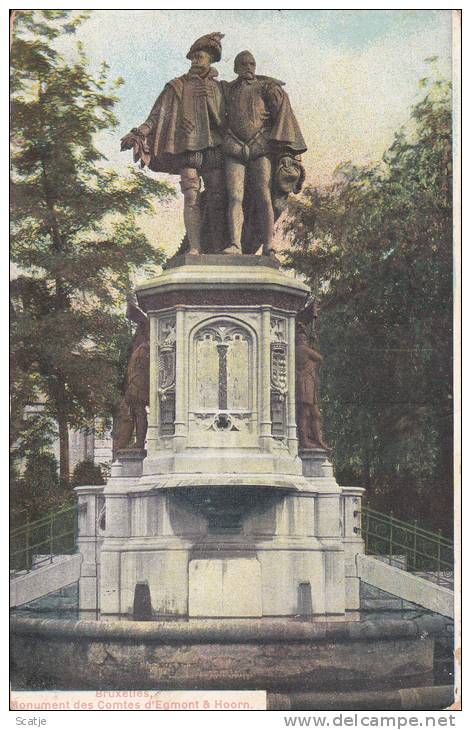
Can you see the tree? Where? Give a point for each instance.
(74, 236)
(376, 247)
(86, 472)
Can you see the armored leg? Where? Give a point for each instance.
(260, 170)
(316, 428)
(309, 422)
(235, 178)
(214, 183)
(302, 422)
(190, 184)
(140, 418)
(123, 426)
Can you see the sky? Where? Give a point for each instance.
(351, 75)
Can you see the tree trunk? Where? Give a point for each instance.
(64, 460)
(61, 305)
(366, 468)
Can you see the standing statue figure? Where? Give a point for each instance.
(131, 418)
(262, 144)
(183, 135)
(308, 415)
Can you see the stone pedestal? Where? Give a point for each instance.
(91, 529)
(128, 463)
(221, 516)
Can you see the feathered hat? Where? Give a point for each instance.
(211, 43)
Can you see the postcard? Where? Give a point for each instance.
(234, 428)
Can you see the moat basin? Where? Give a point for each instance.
(275, 655)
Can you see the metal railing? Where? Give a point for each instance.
(407, 546)
(34, 544)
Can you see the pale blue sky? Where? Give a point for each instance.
(351, 75)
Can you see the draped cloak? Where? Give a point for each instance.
(282, 128)
(189, 115)
(186, 117)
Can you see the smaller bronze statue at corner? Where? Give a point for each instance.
(308, 415)
(131, 417)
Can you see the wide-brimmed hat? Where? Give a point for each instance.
(211, 43)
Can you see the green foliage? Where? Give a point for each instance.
(376, 247)
(87, 473)
(41, 472)
(74, 237)
(35, 433)
(38, 491)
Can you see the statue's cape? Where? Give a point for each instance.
(285, 131)
(181, 121)
(270, 79)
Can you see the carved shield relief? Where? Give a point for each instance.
(166, 368)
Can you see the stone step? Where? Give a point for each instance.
(407, 586)
(47, 577)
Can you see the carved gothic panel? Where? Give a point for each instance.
(278, 329)
(166, 374)
(207, 372)
(166, 354)
(166, 368)
(279, 367)
(278, 414)
(167, 334)
(222, 368)
(238, 374)
(167, 413)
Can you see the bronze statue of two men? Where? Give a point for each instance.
(240, 138)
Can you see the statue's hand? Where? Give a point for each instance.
(130, 139)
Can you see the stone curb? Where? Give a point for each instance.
(234, 632)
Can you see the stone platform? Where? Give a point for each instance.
(220, 259)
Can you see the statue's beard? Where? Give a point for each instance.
(248, 75)
(199, 70)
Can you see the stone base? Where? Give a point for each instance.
(128, 463)
(199, 540)
(210, 464)
(222, 517)
(222, 576)
(199, 547)
(257, 654)
(220, 259)
(316, 463)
